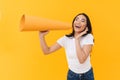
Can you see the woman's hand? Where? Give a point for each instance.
(45, 48)
(82, 33)
(43, 33)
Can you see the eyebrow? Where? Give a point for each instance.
(83, 19)
(79, 18)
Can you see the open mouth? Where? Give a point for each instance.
(78, 26)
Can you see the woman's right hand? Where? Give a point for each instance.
(44, 45)
(43, 33)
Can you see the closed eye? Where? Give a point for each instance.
(83, 20)
(76, 18)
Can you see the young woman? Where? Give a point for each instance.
(78, 46)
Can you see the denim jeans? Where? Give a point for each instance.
(84, 76)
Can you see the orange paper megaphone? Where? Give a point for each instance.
(32, 23)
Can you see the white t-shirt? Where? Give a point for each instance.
(70, 49)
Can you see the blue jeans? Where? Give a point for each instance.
(84, 76)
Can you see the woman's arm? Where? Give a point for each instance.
(82, 52)
(44, 46)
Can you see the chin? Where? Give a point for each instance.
(78, 31)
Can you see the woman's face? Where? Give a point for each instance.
(80, 23)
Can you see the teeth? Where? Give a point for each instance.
(78, 26)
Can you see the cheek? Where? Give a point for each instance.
(83, 27)
(84, 24)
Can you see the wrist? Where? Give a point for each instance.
(77, 38)
(42, 36)
(77, 41)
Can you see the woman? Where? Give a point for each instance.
(78, 46)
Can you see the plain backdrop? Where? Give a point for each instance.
(21, 57)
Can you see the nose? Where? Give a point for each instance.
(78, 22)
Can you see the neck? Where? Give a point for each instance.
(76, 34)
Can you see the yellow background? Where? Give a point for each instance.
(21, 57)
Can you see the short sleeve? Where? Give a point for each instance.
(61, 41)
(89, 39)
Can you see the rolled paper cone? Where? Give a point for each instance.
(32, 23)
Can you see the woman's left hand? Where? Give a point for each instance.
(82, 33)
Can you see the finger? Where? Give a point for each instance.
(43, 31)
(86, 28)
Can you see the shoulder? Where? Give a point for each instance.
(89, 36)
(65, 37)
(63, 40)
(88, 39)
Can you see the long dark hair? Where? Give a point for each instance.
(88, 25)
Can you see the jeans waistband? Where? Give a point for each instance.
(81, 73)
